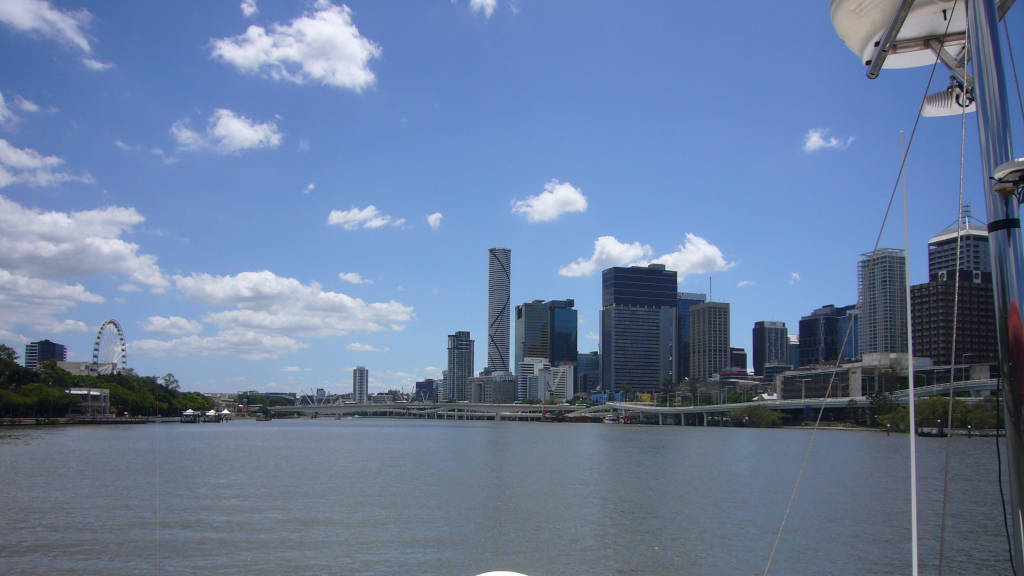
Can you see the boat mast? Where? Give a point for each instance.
(1004, 239)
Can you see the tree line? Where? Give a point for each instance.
(40, 393)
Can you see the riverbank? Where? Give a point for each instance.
(67, 421)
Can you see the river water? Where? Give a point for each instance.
(395, 497)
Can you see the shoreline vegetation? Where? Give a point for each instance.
(41, 393)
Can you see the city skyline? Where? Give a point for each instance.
(262, 220)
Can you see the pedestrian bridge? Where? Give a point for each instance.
(440, 411)
(480, 411)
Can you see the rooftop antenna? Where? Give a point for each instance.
(711, 297)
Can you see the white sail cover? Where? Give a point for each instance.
(861, 23)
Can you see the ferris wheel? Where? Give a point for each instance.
(109, 353)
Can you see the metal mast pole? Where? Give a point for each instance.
(1004, 238)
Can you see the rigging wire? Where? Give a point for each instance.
(952, 352)
(849, 328)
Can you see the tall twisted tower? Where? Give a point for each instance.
(499, 276)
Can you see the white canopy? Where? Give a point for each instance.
(188, 412)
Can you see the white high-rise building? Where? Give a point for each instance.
(973, 249)
(882, 301)
(532, 378)
(562, 379)
(360, 384)
(499, 275)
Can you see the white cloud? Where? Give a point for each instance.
(226, 133)
(24, 104)
(303, 145)
(322, 45)
(40, 17)
(818, 139)
(358, 347)
(592, 336)
(607, 252)
(369, 217)
(485, 6)
(6, 116)
(251, 345)
(434, 220)
(309, 188)
(794, 278)
(557, 198)
(270, 315)
(58, 245)
(269, 304)
(163, 156)
(249, 8)
(172, 326)
(36, 303)
(294, 369)
(26, 166)
(124, 146)
(96, 65)
(353, 278)
(695, 256)
(745, 283)
(129, 287)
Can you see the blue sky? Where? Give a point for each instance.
(266, 195)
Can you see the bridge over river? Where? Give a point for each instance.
(700, 414)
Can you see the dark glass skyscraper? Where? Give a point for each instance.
(638, 327)
(460, 366)
(684, 301)
(546, 330)
(588, 372)
(771, 344)
(38, 352)
(822, 333)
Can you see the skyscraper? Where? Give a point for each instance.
(709, 339)
(38, 352)
(360, 385)
(822, 333)
(942, 248)
(533, 378)
(638, 327)
(546, 330)
(460, 366)
(588, 372)
(771, 344)
(932, 302)
(881, 301)
(684, 302)
(499, 275)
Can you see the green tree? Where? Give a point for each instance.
(756, 417)
(170, 382)
(897, 419)
(8, 353)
